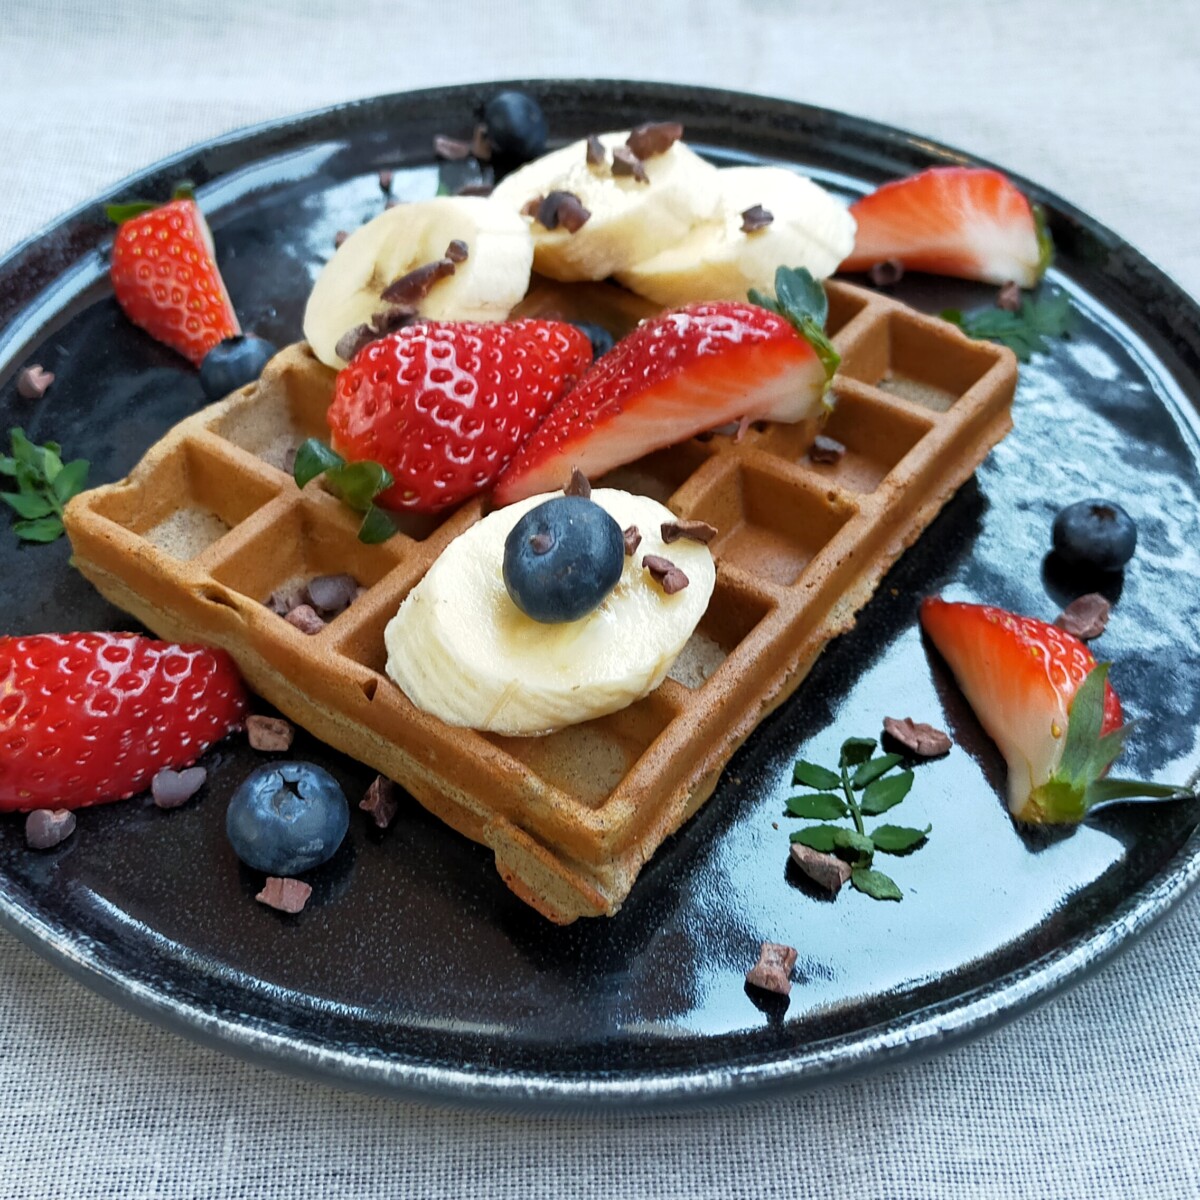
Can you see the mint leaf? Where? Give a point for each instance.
(44, 485)
(882, 794)
(895, 839)
(814, 776)
(801, 299)
(45, 529)
(70, 481)
(856, 750)
(875, 884)
(314, 458)
(376, 526)
(27, 504)
(816, 837)
(871, 770)
(851, 839)
(1024, 331)
(823, 806)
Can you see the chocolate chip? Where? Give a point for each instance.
(665, 573)
(269, 733)
(457, 251)
(33, 381)
(381, 801)
(451, 149)
(655, 137)
(1086, 617)
(46, 827)
(633, 539)
(578, 484)
(562, 208)
(755, 218)
(353, 340)
(774, 966)
(332, 594)
(886, 273)
(481, 144)
(625, 162)
(283, 599)
(382, 323)
(541, 543)
(286, 895)
(925, 741)
(1009, 297)
(477, 189)
(385, 182)
(304, 617)
(170, 788)
(339, 238)
(825, 870)
(694, 531)
(414, 287)
(596, 154)
(826, 450)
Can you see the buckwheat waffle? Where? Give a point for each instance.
(210, 524)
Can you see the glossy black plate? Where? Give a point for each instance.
(413, 970)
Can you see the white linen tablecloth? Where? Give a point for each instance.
(1095, 1094)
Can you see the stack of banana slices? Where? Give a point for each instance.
(666, 224)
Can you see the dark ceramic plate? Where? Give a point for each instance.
(413, 970)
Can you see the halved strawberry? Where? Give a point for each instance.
(90, 717)
(970, 222)
(444, 406)
(1044, 701)
(682, 373)
(165, 276)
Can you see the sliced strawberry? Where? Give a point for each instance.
(165, 277)
(1044, 701)
(679, 374)
(90, 717)
(443, 407)
(970, 222)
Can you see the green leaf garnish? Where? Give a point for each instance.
(823, 806)
(816, 837)
(1024, 331)
(44, 485)
(356, 484)
(885, 793)
(800, 299)
(857, 750)
(875, 884)
(873, 768)
(814, 776)
(896, 839)
(120, 213)
(851, 839)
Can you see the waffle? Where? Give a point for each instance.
(210, 524)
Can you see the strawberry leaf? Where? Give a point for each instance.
(1045, 243)
(875, 884)
(882, 794)
(358, 483)
(376, 526)
(118, 214)
(823, 806)
(312, 459)
(1105, 791)
(896, 839)
(816, 837)
(800, 299)
(811, 775)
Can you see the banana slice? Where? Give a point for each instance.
(461, 649)
(484, 287)
(630, 220)
(720, 261)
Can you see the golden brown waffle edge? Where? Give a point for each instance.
(210, 523)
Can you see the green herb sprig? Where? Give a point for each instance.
(1024, 331)
(865, 787)
(355, 483)
(44, 485)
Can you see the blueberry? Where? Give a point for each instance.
(602, 341)
(287, 817)
(562, 558)
(1097, 534)
(516, 127)
(233, 363)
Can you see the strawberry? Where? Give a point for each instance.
(443, 407)
(970, 222)
(1044, 701)
(90, 717)
(165, 277)
(682, 373)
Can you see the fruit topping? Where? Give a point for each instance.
(46, 828)
(1095, 535)
(287, 817)
(233, 363)
(773, 970)
(601, 339)
(165, 276)
(444, 407)
(86, 718)
(680, 374)
(461, 649)
(516, 128)
(562, 558)
(1044, 701)
(285, 895)
(969, 222)
(44, 485)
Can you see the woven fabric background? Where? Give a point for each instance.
(1095, 1094)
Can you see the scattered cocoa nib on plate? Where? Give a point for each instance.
(385, 182)
(46, 827)
(655, 137)
(451, 149)
(562, 208)
(693, 531)
(755, 218)
(596, 154)
(381, 801)
(1009, 297)
(886, 273)
(1086, 617)
(286, 895)
(773, 970)
(925, 741)
(625, 162)
(578, 484)
(633, 539)
(825, 870)
(269, 733)
(306, 619)
(171, 789)
(665, 573)
(33, 382)
(826, 450)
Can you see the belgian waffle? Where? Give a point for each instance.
(210, 524)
